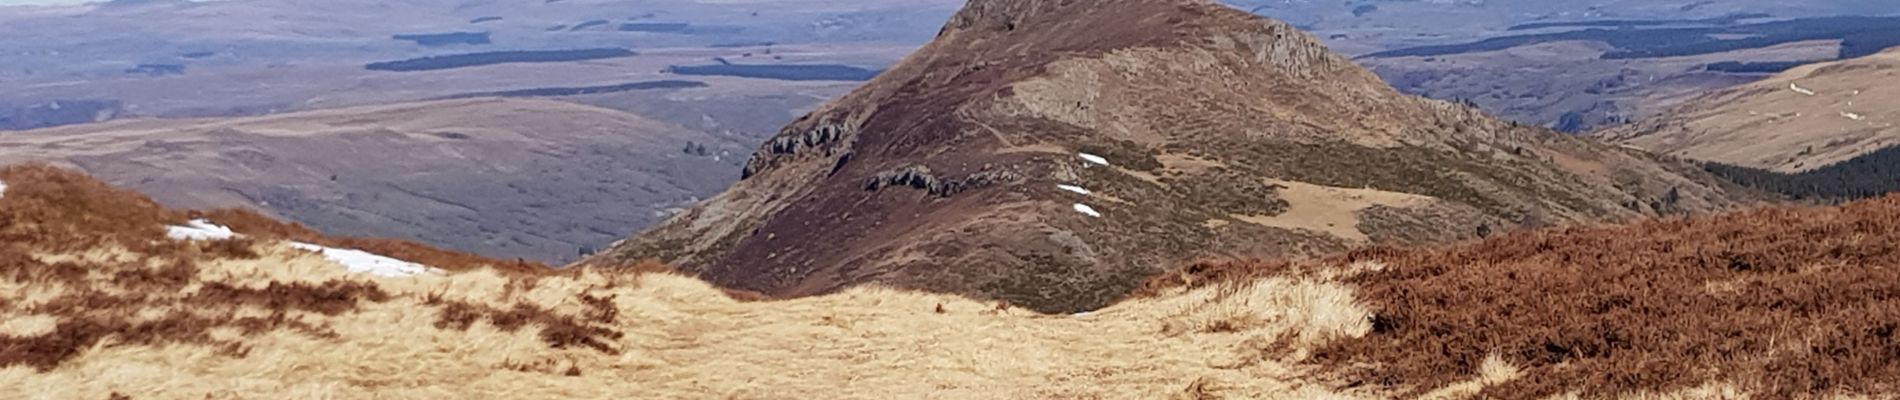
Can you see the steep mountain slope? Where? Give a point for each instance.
(1804, 119)
(505, 177)
(1053, 154)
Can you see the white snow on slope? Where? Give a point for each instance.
(1798, 89)
(1073, 188)
(357, 261)
(1093, 158)
(3, 190)
(1853, 116)
(1086, 210)
(363, 262)
(199, 229)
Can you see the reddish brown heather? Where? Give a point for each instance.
(47, 210)
(58, 210)
(91, 310)
(1782, 301)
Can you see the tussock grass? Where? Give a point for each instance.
(487, 334)
(130, 314)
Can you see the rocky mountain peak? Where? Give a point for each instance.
(1055, 153)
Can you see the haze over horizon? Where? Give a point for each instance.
(40, 2)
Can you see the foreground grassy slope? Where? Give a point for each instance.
(1775, 303)
(1781, 302)
(123, 311)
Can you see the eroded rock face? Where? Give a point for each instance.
(1058, 152)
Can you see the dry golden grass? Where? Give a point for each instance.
(666, 336)
(99, 305)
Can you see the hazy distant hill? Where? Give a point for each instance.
(252, 57)
(1804, 119)
(1823, 131)
(503, 177)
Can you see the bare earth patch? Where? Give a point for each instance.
(1330, 210)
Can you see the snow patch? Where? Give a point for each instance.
(199, 229)
(362, 262)
(1093, 158)
(1086, 210)
(357, 261)
(1073, 188)
(1798, 89)
(3, 190)
(1853, 116)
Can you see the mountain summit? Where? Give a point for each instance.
(1054, 154)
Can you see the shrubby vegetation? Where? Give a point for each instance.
(1678, 301)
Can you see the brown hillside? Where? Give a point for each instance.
(1773, 303)
(1804, 119)
(1228, 134)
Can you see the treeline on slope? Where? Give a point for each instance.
(655, 27)
(780, 72)
(446, 39)
(1860, 36)
(586, 90)
(453, 61)
(1632, 23)
(1768, 67)
(1870, 175)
